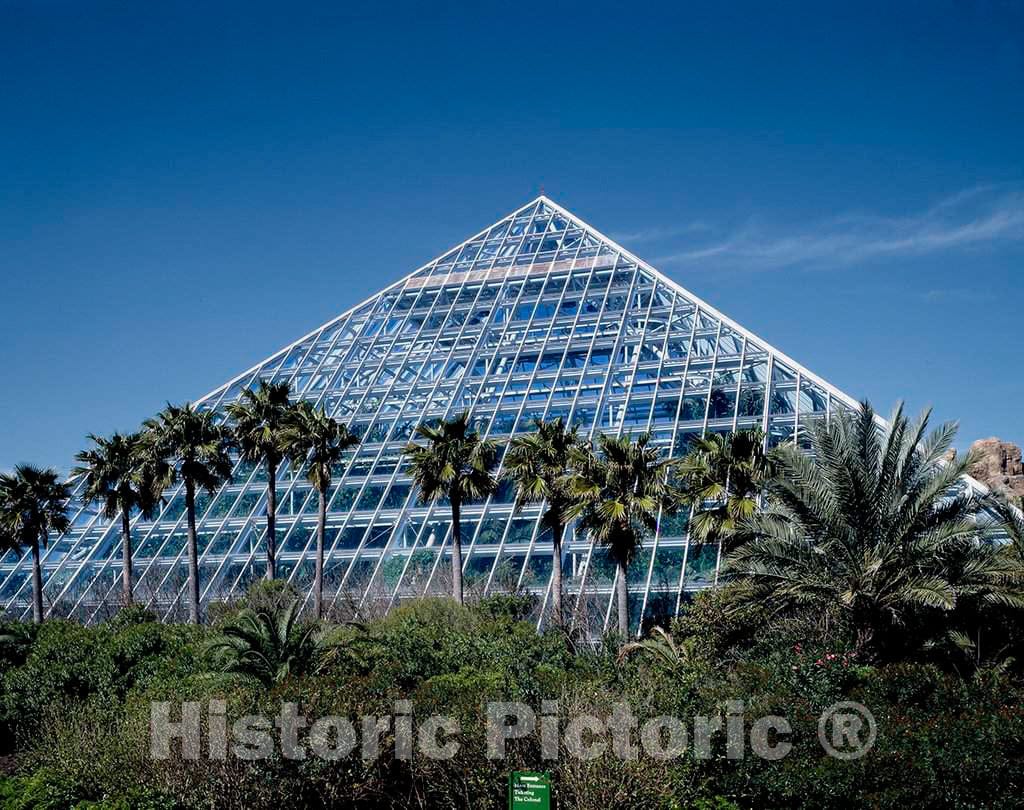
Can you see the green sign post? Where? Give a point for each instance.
(529, 791)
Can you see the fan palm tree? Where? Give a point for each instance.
(187, 444)
(260, 418)
(540, 465)
(457, 464)
(119, 477)
(33, 503)
(270, 645)
(875, 529)
(722, 476)
(618, 493)
(313, 437)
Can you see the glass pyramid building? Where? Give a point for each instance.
(539, 315)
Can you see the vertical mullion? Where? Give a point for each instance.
(601, 395)
(769, 387)
(703, 433)
(625, 403)
(650, 427)
(735, 420)
(584, 369)
(675, 439)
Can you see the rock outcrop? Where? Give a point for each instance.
(999, 466)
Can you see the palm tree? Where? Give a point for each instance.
(1010, 521)
(270, 645)
(540, 465)
(455, 463)
(722, 476)
(874, 529)
(118, 476)
(186, 444)
(661, 646)
(33, 503)
(313, 437)
(618, 493)
(259, 420)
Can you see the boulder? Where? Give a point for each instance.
(999, 466)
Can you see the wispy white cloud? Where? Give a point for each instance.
(958, 296)
(971, 218)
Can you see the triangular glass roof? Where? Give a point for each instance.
(538, 315)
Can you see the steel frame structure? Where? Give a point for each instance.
(537, 315)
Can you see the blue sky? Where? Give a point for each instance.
(188, 187)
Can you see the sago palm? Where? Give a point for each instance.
(617, 494)
(540, 465)
(189, 445)
(721, 476)
(259, 419)
(120, 478)
(270, 645)
(312, 437)
(33, 504)
(457, 464)
(873, 528)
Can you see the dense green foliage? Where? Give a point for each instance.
(875, 533)
(75, 711)
(862, 572)
(271, 643)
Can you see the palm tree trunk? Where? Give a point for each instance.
(37, 583)
(556, 573)
(318, 579)
(456, 552)
(271, 520)
(622, 592)
(126, 558)
(193, 554)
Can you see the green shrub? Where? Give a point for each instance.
(16, 639)
(68, 663)
(47, 790)
(513, 607)
(129, 616)
(271, 595)
(78, 701)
